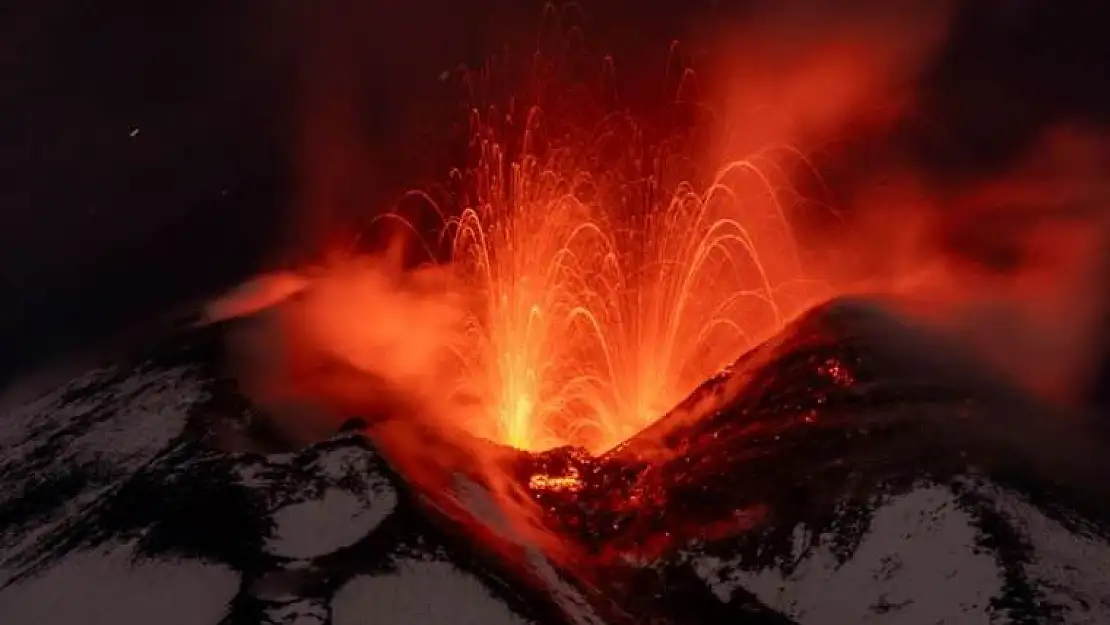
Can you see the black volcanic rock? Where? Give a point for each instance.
(854, 469)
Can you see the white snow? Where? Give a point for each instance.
(141, 415)
(428, 593)
(336, 520)
(106, 588)
(480, 504)
(283, 585)
(484, 508)
(919, 565)
(1072, 570)
(148, 411)
(135, 419)
(338, 464)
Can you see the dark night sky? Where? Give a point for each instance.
(101, 226)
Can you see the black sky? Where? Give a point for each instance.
(146, 148)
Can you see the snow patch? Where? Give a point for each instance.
(480, 504)
(286, 584)
(484, 508)
(96, 431)
(428, 593)
(107, 587)
(566, 596)
(1070, 569)
(127, 421)
(341, 463)
(919, 565)
(321, 526)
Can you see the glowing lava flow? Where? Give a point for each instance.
(603, 298)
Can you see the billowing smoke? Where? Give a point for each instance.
(811, 77)
(357, 337)
(1017, 264)
(1008, 254)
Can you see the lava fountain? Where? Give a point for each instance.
(603, 287)
(584, 277)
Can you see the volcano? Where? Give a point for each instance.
(855, 468)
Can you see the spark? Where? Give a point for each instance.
(571, 482)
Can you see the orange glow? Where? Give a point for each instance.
(610, 266)
(600, 302)
(572, 482)
(594, 268)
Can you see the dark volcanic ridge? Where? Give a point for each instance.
(852, 436)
